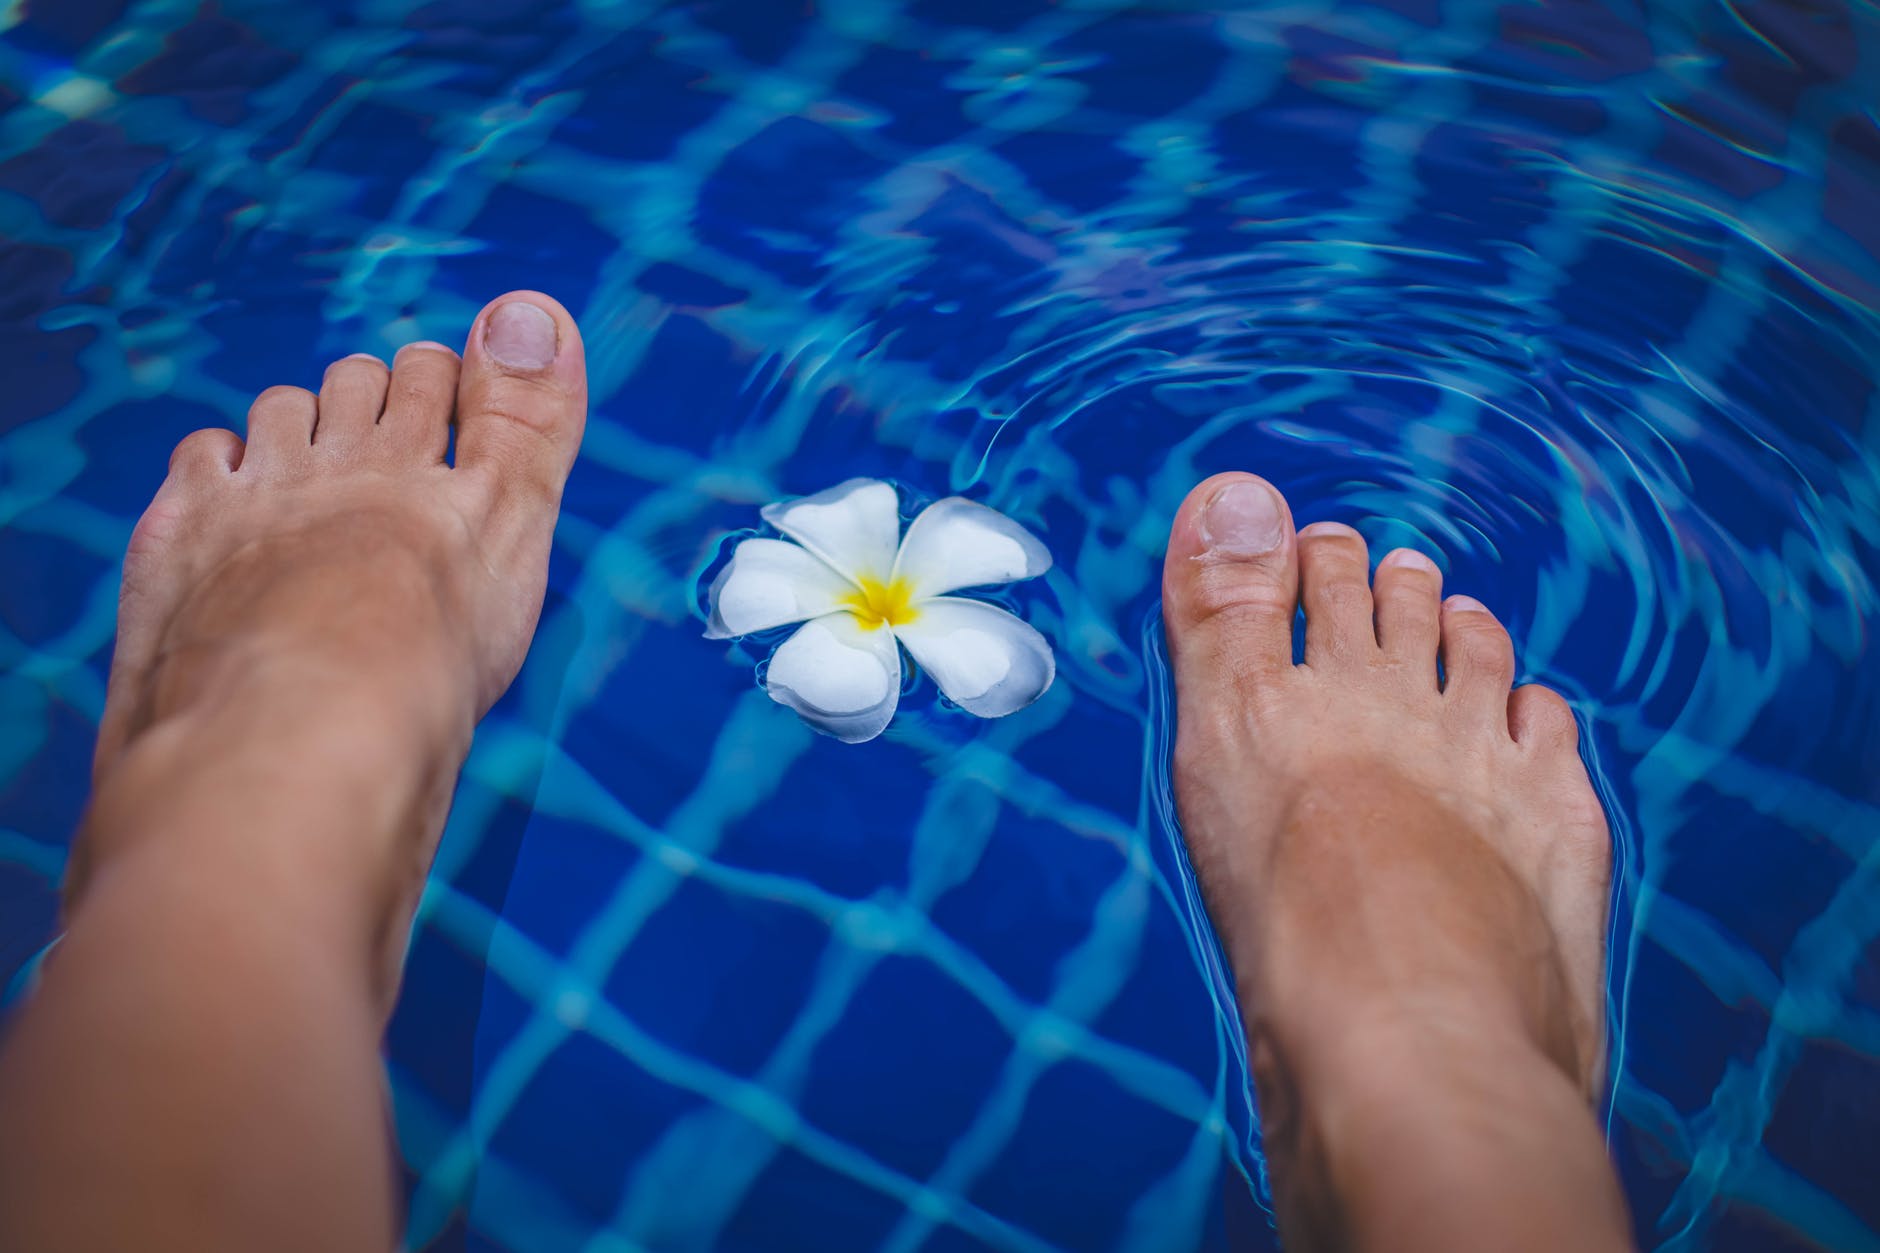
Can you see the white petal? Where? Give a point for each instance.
(854, 526)
(957, 543)
(986, 661)
(842, 678)
(769, 583)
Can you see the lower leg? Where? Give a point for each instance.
(199, 1067)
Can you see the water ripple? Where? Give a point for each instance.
(1585, 305)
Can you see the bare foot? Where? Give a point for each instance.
(334, 567)
(1391, 857)
(311, 624)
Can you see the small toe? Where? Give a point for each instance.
(280, 427)
(1230, 584)
(522, 398)
(1408, 591)
(1539, 718)
(419, 403)
(1335, 588)
(207, 453)
(351, 396)
(1478, 661)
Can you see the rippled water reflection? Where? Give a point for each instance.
(1581, 300)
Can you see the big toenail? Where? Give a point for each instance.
(1243, 520)
(521, 336)
(1410, 559)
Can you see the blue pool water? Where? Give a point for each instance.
(1582, 298)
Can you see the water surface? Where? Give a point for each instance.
(1578, 298)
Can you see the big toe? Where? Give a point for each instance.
(522, 394)
(1230, 583)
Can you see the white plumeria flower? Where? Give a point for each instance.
(859, 587)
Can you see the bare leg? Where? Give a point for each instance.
(311, 624)
(1409, 878)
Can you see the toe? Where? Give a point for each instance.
(201, 454)
(1478, 662)
(1335, 588)
(522, 400)
(420, 401)
(1230, 584)
(1540, 719)
(280, 427)
(1408, 590)
(351, 396)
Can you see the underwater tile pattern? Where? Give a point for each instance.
(1579, 297)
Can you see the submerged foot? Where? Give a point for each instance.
(1397, 858)
(335, 578)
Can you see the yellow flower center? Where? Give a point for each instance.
(879, 604)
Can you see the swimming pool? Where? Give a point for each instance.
(1584, 300)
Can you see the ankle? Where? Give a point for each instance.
(1388, 1135)
(257, 684)
(354, 790)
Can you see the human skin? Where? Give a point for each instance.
(1409, 876)
(1409, 880)
(311, 623)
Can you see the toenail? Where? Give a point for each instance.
(429, 345)
(1330, 528)
(1467, 604)
(361, 356)
(521, 336)
(1410, 559)
(1243, 520)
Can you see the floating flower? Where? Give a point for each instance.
(863, 592)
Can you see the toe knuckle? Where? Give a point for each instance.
(434, 369)
(1416, 591)
(1342, 557)
(1344, 595)
(1230, 593)
(1489, 660)
(521, 417)
(508, 473)
(540, 404)
(1485, 647)
(424, 395)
